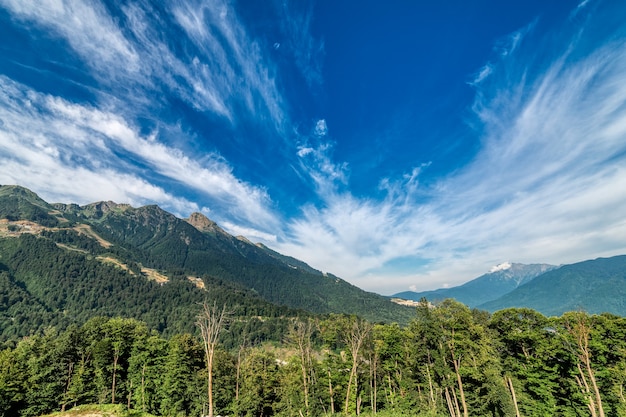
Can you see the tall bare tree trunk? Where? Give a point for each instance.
(358, 333)
(116, 357)
(350, 378)
(581, 331)
(450, 405)
(373, 377)
(456, 402)
(210, 321)
(584, 386)
(330, 393)
(238, 373)
(300, 335)
(457, 365)
(143, 388)
(592, 378)
(431, 394)
(512, 389)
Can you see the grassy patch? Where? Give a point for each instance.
(106, 410)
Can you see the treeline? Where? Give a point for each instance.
(449, 361)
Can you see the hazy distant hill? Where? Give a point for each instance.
(594, 286)
(501, 280)
(64, 259)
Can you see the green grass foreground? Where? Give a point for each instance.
(103, 410)
(119, 410)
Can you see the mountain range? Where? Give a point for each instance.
(68, 261)
(61, 264)
(500, 280)
(595, 286)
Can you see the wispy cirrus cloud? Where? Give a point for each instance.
(86, 26)
(228, 51)
(187, 77)
(52, 143)
(308, 52)
(210, 64)
(131, 56)
(547, 185)
(503, 47)
(315, 158)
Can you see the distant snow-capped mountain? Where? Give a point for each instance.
(501, 267)
(500, 280)
(595, 286)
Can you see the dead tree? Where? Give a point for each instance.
(356, 337)
(211, 321)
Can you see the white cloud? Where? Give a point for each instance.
(580, 6)
(321, 129)
(57, 146)
(304, 151)
(133, 59)
(548, 185)
(317, 163)
(509, 44)
(307, 51)
(484, 72)
(248, 232)
(216, 31)
(86, 26)
(504, 47)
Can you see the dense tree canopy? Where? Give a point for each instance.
(450, 361)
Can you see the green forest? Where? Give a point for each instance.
(448, 361)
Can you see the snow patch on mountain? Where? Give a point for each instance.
(501, 267)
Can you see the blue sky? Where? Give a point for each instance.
(400, 145)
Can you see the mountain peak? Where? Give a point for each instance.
(244, 239)
(19, 192)
(203, 223)
(101, 208)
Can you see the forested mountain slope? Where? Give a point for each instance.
(43, 284)
(595, 286)
(61, 262)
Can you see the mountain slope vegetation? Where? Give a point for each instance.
(70, 263)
